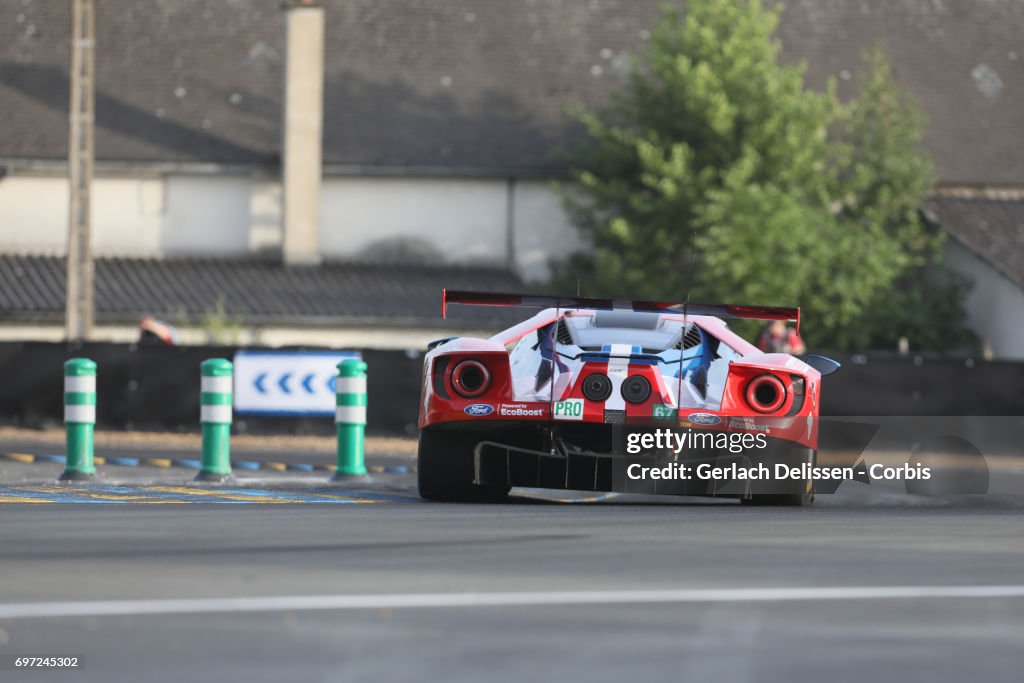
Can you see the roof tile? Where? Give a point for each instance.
(254, 292)
(447, 85)
(991, 226)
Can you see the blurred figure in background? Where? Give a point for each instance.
(153, 331)
(777, 338)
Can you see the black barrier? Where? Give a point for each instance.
(883, 384)
(157, 388)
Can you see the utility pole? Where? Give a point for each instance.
(79, 311)
(303, 131)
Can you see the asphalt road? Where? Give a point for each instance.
(237, 453)
(467, 560)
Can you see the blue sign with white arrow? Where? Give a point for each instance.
(297, 383)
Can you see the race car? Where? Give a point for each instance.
(566, 398)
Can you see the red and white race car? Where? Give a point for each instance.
(563, 400)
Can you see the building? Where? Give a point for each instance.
(440, 117)
(986, 230)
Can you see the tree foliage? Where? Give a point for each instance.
(718, 173)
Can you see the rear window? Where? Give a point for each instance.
(648, 331)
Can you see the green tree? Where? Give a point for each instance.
(884, 179)
(716, 172)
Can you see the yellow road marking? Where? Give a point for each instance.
(85, 493)
(142, 495)
(19, 457)
(99, 460)
(19, 499)
(276, 466)
(300, 495)
(157, 462)
(160, 501)
(220, 494)
(335, 497)
(125, 497)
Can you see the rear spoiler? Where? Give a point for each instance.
(686, 308)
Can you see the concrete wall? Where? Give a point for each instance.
(459, 220)
(173, 215)
(542, 230)
(204, 217)
(492, 221)
(995, 306)
(127, 215)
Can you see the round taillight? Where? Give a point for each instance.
(470, 378)
(597, 387)
(766, 393)
(636, 389)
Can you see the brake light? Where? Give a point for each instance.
(765, 393)
(470, 378)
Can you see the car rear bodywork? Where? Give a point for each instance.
(552, 402)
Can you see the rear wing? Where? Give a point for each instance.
(684, 307)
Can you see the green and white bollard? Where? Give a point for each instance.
(215, 416)
(79, 418)
(350, 417)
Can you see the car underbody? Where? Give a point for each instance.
(593, 457)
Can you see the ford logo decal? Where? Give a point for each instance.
(703, 419)
(478, 409)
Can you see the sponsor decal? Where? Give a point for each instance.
(663, 412)
(742, 422)
(748, 424)
(519, 410)
(705, 419)
(478, 409)
(569, 409)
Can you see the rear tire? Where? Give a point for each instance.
(804, 499)
(445, 469)
(800, 500)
